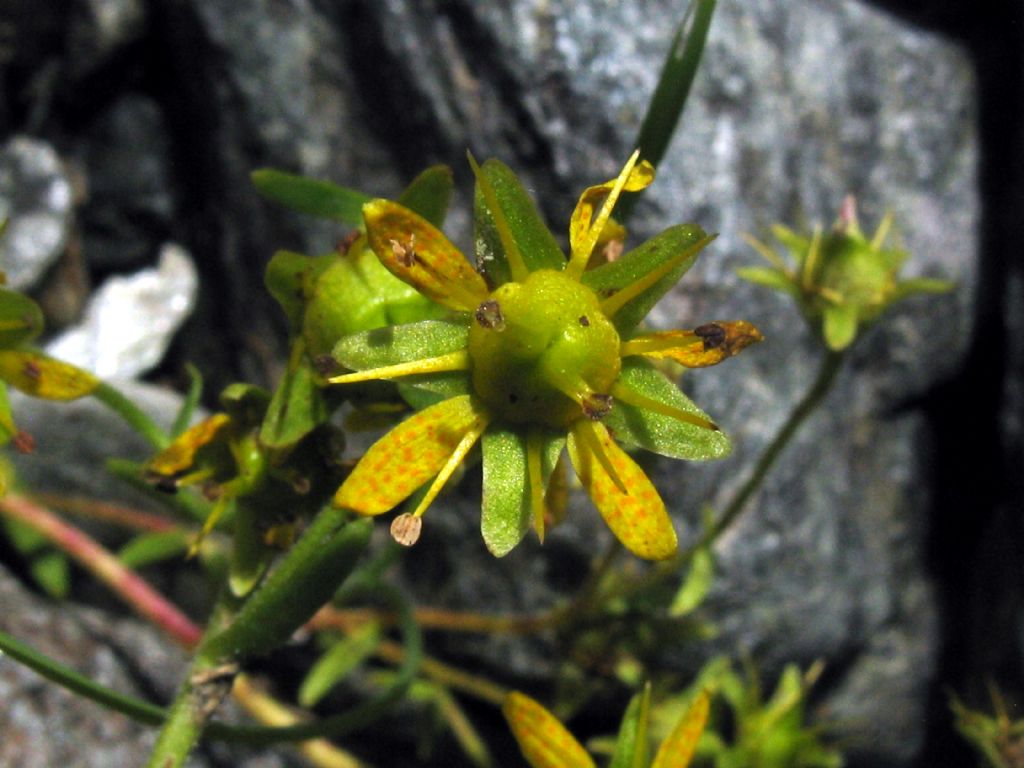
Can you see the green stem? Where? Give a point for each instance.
(134, 416)
(830, 365)
(138, 710)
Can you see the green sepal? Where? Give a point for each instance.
(639, 262)
(506, 513)
(429, 194)
(536, 243)
(309, 575)
(311, 196)
(770, 278)
(149, 548)
(631, 744)
(839, 325)
(296, 408)
(405, 343)
(337, 662)
(287, 278)
(21, 319)
(356, 293)
(656, 432)
(917, 285)
(696, 584)
(797, 244)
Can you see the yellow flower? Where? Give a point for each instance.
(539, 354)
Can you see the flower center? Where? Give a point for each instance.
(543, 352)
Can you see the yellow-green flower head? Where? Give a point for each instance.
(842, 281)
(538, 354)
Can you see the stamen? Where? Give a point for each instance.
(458, 455)
(656, 342)
(631, 397)
(587, 433)
(595, 405)
(618, 300)
(215, 514)
(516, 263)
(767, 253)
(454, 361)
(882, 232)
(581, 255)
(536, 477)
(811, 262)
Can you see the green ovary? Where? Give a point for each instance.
(543, 352)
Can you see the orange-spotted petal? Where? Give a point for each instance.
(544, 741)
(627, 500)
(705, 345)
(584, 229)
(408, 456)
(677, 750)
(416, 251)
(180, 454)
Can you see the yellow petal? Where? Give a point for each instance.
(179, 455)
(637, 517)
(407, 456)
(708, 344)
(416, 251)
(677, 750)
(584, 230)
(545, 742)
(41, 376)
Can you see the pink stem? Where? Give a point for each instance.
(106, 567)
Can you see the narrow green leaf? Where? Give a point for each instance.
(839, 325)
(23, 537)
(656, 432)
(8, 429)
(337, 662)
(21, 319)
(311, 196)
(770, 278)
(429, 194)
(673, 89)
(696, 584)
(634, 265)
(631, 745)
(537, 245)
(149, 548)
(296, 408)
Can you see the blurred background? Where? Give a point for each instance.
(889, 540)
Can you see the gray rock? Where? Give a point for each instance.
(36, 199)
(100, 29)
(45, 725)
(130, 321)
(798, 104)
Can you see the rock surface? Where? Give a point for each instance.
(798, 104)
